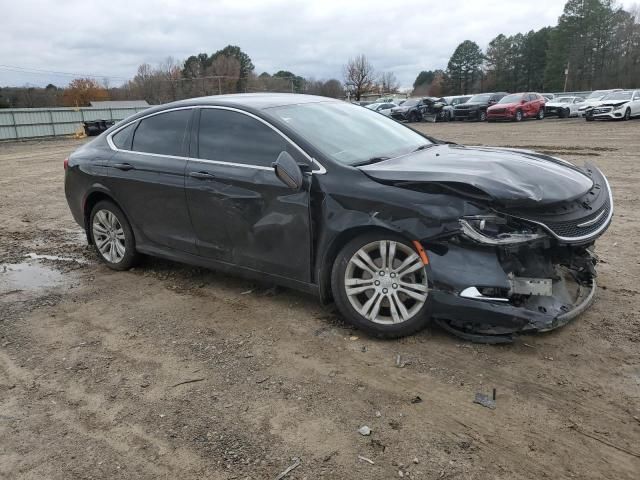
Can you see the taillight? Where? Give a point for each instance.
(66, 163)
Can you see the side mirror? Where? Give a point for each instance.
(492, 102)
(522, 102)
(288, 171)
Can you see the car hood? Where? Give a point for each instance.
(509, 177)
(560, 104)
(471, 105)
(505, 105)
(400, 108)
(592, 103)
(613, 103)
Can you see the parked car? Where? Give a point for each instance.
(457, 99)
(516, 107)
(333, 199)
(383, 108)
(563, 107)
(594, 99)
(476, 107)
(409, 110)
(436, 109)
(621, 105)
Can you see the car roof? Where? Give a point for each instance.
(257, 101)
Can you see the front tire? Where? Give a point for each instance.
(540, 115)
(627, 114)
(380, 285)
(482, 116)
(112, 236)
(518, 117)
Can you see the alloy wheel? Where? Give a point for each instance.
(627, 114)
(386, 282)
(109, 236)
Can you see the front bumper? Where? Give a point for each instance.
(401, 116)
(466, 114)
(506, 115)
(499, 317)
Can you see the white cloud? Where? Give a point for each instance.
(308, 38)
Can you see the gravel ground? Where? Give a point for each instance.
(169, 371)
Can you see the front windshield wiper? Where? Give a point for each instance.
(422, 147)
(370, 161)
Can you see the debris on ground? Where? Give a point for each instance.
(296, 463)
(485, 400)
(364, 430)
(416, 399)
(365, 459)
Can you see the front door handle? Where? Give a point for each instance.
(202, 175)
(123, 166)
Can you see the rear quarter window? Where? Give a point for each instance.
(122, 138)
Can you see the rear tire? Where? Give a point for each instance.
(482, 116)
(380, 285)
(518, 117)
(112, 236)
(540, 115)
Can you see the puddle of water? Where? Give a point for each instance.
(27, 277)
(35, 256)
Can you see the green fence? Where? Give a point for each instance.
(19, 123)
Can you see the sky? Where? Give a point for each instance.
(109, 39)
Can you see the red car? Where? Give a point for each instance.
(517, 106)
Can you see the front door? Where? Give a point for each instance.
(241, 212)
(146, 176)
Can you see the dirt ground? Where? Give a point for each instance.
(169, 371)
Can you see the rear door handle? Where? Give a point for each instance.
(202, 175)
(123, 166)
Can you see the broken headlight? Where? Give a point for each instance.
(497, 230)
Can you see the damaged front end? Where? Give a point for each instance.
(525, 262)
(490, 284)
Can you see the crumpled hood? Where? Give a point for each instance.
(510, 177)
(613, 103)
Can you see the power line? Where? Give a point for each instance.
(39, 71)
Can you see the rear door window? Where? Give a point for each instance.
(162, 134)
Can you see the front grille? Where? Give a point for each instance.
(597, 111)
(498, 110)
(572, 230)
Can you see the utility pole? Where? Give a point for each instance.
(566, 76)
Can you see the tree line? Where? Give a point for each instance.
(595, 45)
(229, 70)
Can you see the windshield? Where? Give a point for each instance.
(411, 102)
(346, 133)
(564, 100)
(480, 98)
(513, 98)
(618, 96)
(598, 94)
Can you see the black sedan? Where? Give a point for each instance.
(330, 198)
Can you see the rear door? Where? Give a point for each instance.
(146, 176)
(241, 212)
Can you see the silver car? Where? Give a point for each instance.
(384, 108)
